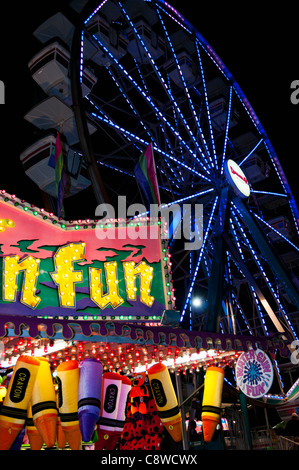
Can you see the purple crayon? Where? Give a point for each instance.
(89, 396)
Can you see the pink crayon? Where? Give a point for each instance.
(111, 388)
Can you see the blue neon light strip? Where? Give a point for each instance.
(199, 258)
(146, 143)
(251, 152)
(159, 114)
(207, 104)
(183, 80)
(269, 193)
(95, 11)
(274, 230)
(162, 81)
(260, 267)
(226, 128)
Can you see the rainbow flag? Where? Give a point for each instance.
(56, 161)
(146, 176)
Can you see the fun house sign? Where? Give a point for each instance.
(52, 268)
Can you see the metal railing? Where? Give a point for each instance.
(288, 443)
(267, 439)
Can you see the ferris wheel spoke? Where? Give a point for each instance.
(159, 114)
(272, 259)
(203, 162)
(254, 287)
(251, 152)
(187, 198)
(269, 193)
(165, 86)
(264, 275)
(207, 231)
(177, 175)
(130, 103)
(160, 82)
(226, 128)
(284, 183)
(238, 307)
(215, 163)
(236, 239)
(138, 139)
(275, 231)
(182, 78)
(147, 129)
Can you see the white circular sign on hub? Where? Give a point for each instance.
(237, 179)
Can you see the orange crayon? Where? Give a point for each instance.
(44, 409)
(68, 385)
(61, 438)
(13, 413)
(211, 403)
(35, 439)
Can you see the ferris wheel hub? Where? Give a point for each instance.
(236, 179)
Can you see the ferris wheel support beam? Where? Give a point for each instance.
(264, 247)
(79, 108)
(250, 279)
(216, 281)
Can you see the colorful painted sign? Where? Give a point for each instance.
(51, 267)
(254, 373)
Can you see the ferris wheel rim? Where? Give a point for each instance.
(225, 71)
(243, 100)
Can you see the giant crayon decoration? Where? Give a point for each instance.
(111, 388)
(121, 410)
(166, 400)
(68, 385)
(13, 413)
(44, 410)
(60, 436)
(89, 396)
(211, 403)
(19, 440)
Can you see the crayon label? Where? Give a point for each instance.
(110, 398)
(19, 385)
(159, 393)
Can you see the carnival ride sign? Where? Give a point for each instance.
(254, 373)
(51, 267)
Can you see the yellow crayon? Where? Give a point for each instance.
(13, 413)
(68, 385)
(166, 400)
(44, 409)
(211, 403)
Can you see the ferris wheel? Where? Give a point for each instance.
(141, 74)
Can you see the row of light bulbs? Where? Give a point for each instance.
(122, 357)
